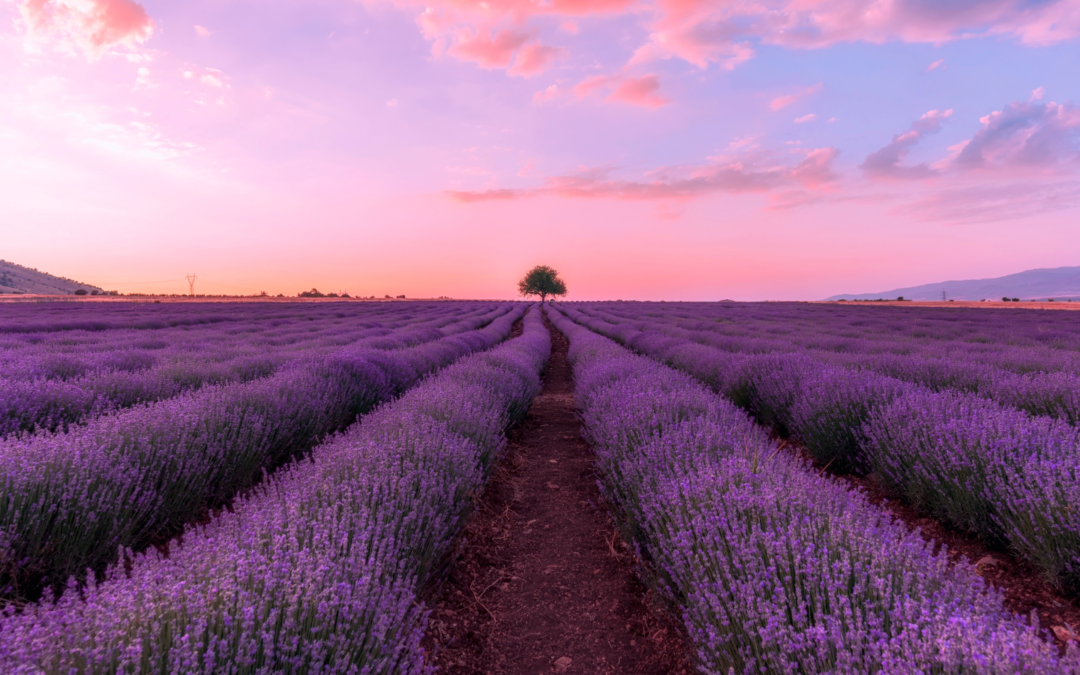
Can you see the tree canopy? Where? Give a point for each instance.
(543, 281)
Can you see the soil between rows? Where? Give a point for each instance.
(542, 582)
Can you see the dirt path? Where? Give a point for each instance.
(543, 583)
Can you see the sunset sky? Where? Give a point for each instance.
(671, 149)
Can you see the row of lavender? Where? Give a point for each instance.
(1042, 378)
(50, 386)
(1007, 476)
(74, 355)
(58, 317)
(39, 354)
(317, 570)
(69, 501)
(777, 569)
(1019, 341)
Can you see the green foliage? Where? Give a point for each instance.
(314, 293)
(543, 281)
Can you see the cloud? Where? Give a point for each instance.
(591, 84)
(90, 25)
(745, 168)
(702, 32)
(728, 33)
(488, 195)
(816, 170)
(489, 51)
(936, 65)
(513, 50)
(1025, 135)
(989, 203)
(885, 163)
(784, 101)
(546, 95)
(1022, 162)
(392, 103)
(805, 118)
(642, 91)
(699, 44)
(202, 32)
(533, 59)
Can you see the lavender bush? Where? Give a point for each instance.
(986, 469)
(50, 386)
(777, 569)
(316, 571)
(69, 501)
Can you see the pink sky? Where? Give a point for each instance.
(654, 150)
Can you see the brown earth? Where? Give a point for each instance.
(542, 582)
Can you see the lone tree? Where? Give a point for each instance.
(543, 281)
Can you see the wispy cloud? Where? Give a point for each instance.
(745, 168)
(885, 163)
(781, 102)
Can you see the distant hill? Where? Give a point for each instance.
(1057, 282)
(18, 279)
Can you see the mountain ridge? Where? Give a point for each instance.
(16, 279)
(1047, 282)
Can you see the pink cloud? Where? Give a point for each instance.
(1000, 173)
(989, 203)
(885, 163)
(590, 85)
(642, 91)
(816, 170)
(805, 118)
(201, 31)
(489, 51)
(92, 25)
(784, 101)
(547, 94)
(533, 59)
(726, 33)
(939, 64)
(1025, 135)
(721, 32)
(582, 7)
(700, 46)
(745, 169)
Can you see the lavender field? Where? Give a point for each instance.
(963, 413)
(351, 441)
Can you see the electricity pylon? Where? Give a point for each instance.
(191, 283)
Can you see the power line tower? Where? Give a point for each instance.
(943, 295)
(191, 283)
